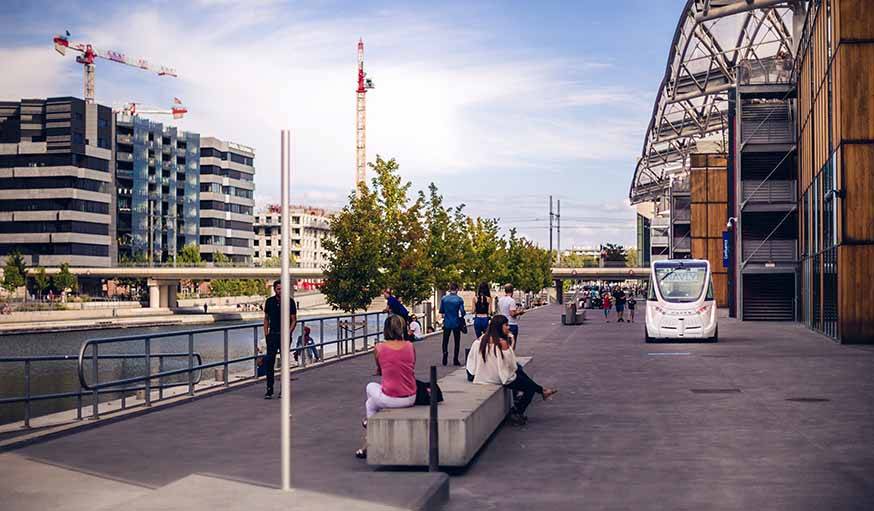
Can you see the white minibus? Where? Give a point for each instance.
(680, 303)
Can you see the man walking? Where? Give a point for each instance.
(507, 307)
(273, 332)
(452, 308)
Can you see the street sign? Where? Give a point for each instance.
(726, 248)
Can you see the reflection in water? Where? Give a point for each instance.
(61, 376)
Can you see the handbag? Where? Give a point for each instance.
(463, 327)
(423, 393)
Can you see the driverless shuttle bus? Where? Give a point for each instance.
(680, 303)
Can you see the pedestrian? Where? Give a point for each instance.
(452, 308)
(396, 361)
(509, 309)
(495, 363)
(273, 332)
(394, 306)
(631, 303)
(620, 305)
(606, 305)
(481, 309)
(415, 328)
(304, 340)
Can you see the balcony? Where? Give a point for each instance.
(771, 251)
(659, 241)
(682, 216)
(765, 71)
(767, 123)
(660, 222)
(680, 186)
(683, 244)
(122, 156)
(125, 139)
(769, 192)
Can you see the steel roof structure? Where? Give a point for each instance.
(714, 39)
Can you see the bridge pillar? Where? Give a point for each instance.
(162, 293)
(154, 295)
(559, 290)
(171, 296)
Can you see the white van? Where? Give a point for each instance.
(680, 303)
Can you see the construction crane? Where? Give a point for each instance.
(364, 84)
(178, 111)
(89, 54)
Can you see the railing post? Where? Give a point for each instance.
(433, 438)
(148, 348)
(255, 350)
(225, 371)
(95, 414)
(322, 339)
(366, 324)
(160, 378)
(79, 404)
(27, 393)
(190, 364)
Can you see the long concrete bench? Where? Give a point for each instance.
(467, 417)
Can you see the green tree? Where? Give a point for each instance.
(404, 261)
(445, 238)
(276, 261)
(579, 261)
(352, 276)
(41, 281)
(189, 255)
(64, 281)
(14, 272)
(484, 252)
(631, 258)
(219, 259)
(614, 254)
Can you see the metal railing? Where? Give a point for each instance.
(29, 398)
(768, 192)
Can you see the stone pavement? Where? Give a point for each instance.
(772, 417)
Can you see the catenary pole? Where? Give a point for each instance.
(558, 229)
(285, 341)
(550, 227)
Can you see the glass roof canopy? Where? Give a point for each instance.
(715, 40)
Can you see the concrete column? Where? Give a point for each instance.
(171, 296)
(165, 295)
(154, 295)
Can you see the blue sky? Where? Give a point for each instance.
(499, 103)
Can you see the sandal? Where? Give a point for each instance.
(548, 393)
(361, 454)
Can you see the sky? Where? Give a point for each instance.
(500, 104)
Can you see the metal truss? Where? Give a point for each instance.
(717, 44)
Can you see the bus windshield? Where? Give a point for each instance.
(681, 282)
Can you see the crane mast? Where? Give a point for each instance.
(364, 84)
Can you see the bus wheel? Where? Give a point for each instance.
(646, 336)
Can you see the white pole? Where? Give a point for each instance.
(284, 380)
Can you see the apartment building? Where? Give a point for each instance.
(158, 187)
(56, 181)
(227, 188)
(309, 228)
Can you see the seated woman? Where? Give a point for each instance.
(494, 362)
(396, 361)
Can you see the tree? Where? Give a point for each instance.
(14, 272)
(64, 281)
(219, 259)
(631, 258)
(483, 252)
(189, 255)
(41, 281)
(614, 255)
(352, 276)
(134, 286)
(445, 238)
(579, 261)
(276, 261)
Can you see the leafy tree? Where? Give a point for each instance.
(219, 259)
(189, 255)
(41, 281)
(579, 261)
(353, 276)
(65, 281)
(14, 272)
(631, 258)
(276, 261)
(614, 253)
(445, 240)
(483, 252)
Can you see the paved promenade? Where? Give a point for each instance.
(772, 417)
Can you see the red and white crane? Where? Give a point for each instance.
(89, 54)
(178, 111)
(364, 84)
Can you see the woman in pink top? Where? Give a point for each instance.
(396, 361)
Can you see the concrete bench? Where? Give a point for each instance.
(467, 417)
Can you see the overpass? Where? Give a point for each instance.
(163, 280)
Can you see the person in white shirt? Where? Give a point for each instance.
(493, 361)
(508, 308)
(415, 328)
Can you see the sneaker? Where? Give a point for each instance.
(268, 394)
(518, 419)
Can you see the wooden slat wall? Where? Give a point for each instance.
(850, 112)
(709, 196)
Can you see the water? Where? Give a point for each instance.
(61, 376)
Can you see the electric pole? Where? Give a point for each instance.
(558, 229)
(550, 226)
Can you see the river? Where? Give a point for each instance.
(61, 376)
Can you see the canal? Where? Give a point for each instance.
(61, 376)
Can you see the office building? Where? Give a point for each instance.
(158, 187)
(227, 203)
(309, 228)
(56, 182)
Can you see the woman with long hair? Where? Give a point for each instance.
(396, 362)
(494, 362)
(481, 309)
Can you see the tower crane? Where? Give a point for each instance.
(364, 84)
(178, 111)
(89, 54)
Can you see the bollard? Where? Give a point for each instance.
(433, 439)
